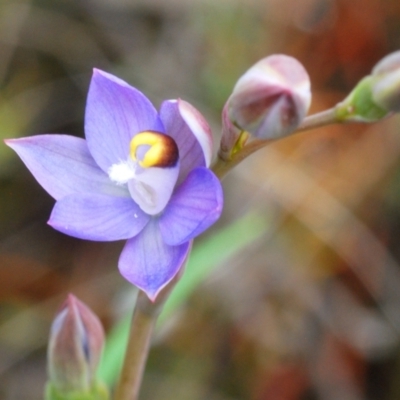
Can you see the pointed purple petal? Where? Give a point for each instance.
(148, 263)
(191, 133)
(194, 207)
(98, 217)
(115, 112)
(63, 165)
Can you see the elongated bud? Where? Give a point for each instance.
(75, 345)
(271, 99)
(386, 86)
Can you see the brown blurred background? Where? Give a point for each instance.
(309, 311)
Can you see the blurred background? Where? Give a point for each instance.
(295, 293)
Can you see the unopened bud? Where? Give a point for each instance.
(386, 86)
(359, 105)
(271, 99)
(375, 96)
(74, 351)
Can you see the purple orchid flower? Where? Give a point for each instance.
(140, 175)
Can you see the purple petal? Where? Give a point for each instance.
(199, 127)
(152, 187)
(98, 217)
(194, 207)
(63, 165)
(148, 263)
(190, 132)
(115, 112)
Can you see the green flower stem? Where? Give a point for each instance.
(224, 164)
(322, 118)
(143, 322)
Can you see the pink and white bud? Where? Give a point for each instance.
(75, 345)
(272, 98)
(386, 82)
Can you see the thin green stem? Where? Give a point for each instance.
(223, 164)
(143, 322)
(322, 118)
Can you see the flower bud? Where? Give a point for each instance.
(375, 96)
(271, 99)
(75, 345)
(386, 86)
(359, 105)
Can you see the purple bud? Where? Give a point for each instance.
(386, 82)
(76, 341)
(271, 99)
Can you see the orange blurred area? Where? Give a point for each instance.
(309, 311)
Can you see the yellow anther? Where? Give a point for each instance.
(159, 150)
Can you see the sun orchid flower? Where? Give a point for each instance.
(140, 176)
